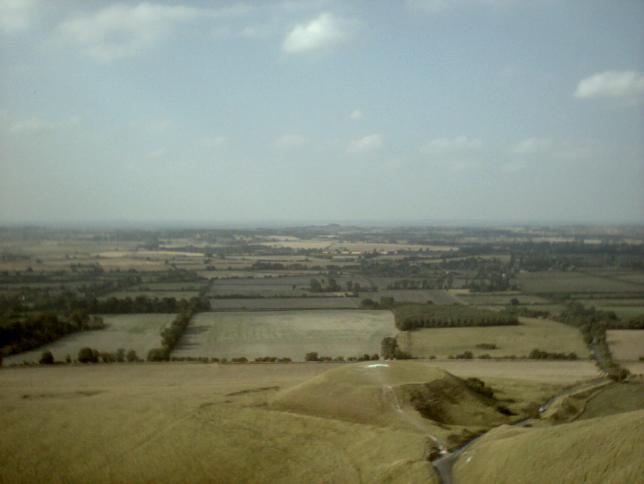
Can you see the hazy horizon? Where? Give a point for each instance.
(274, 113)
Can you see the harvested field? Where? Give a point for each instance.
(626, 344)
(138, 332)
(263, 304)
(573, 282)
(289, 334)
(517, 340)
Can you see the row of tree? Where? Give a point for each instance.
(39, 329)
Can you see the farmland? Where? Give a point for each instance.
(138, 332)
(626, 344)
(289, 334)
(517, 341)
(212, 311)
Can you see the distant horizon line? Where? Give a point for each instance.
(301, 223)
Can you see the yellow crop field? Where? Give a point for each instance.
(518, 340)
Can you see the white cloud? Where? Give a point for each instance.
(437, 6)
(625, 86)
(122, 30)
(356, 115)
(323, 32)
(158, 153)
(458, 144)
(153, 125)
(531, 146)
(15, 15)
(365, 144)
(36, 125)
(213, 142)
(289, 141)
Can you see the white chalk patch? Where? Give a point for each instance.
(378, 365)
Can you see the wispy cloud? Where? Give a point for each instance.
(289, 141)
(120, 31)
(37, 125)
(15, 15)
(366, 144)
(622, 86)
(213, 142)
(323, 32)
(437, 6)
(531, 146)
(356, 115)
(457, 144)
(157, 153)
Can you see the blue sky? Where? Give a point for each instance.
(322, 111)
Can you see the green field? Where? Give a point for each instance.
(138, 332)
(151, 294)
(552, 282)
(626, 344)
(289, 334)
(267, 303)
(517, 340)
(410, 316)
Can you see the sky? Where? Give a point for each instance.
(314, 111)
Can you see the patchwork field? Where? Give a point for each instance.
(138, 332)
(518, 340)
(626, 344)
(575, 282)
(263, 304)
(289, 334)
(436, 296)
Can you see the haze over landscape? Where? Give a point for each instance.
(321, 241)
(285, 111)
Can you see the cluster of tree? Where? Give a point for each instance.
(413, 316)
(386, 302)
(526, 312)
(466, 355)
(91, 355)
(486, 346)
(592, 324)
(633, 322)
(390, 350)
(272, 359)
(68, 302)
(170, 336)
(313, 356)
(331, 285)
(404, 284)
(478, 386)
(34, 330)
(144, 304)
(537, 354)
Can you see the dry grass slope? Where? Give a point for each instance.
(180, 423)
(605, 450)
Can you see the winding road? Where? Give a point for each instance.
(444, 465)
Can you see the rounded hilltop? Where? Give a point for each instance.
(404, 394)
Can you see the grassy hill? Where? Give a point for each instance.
(604, 450)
